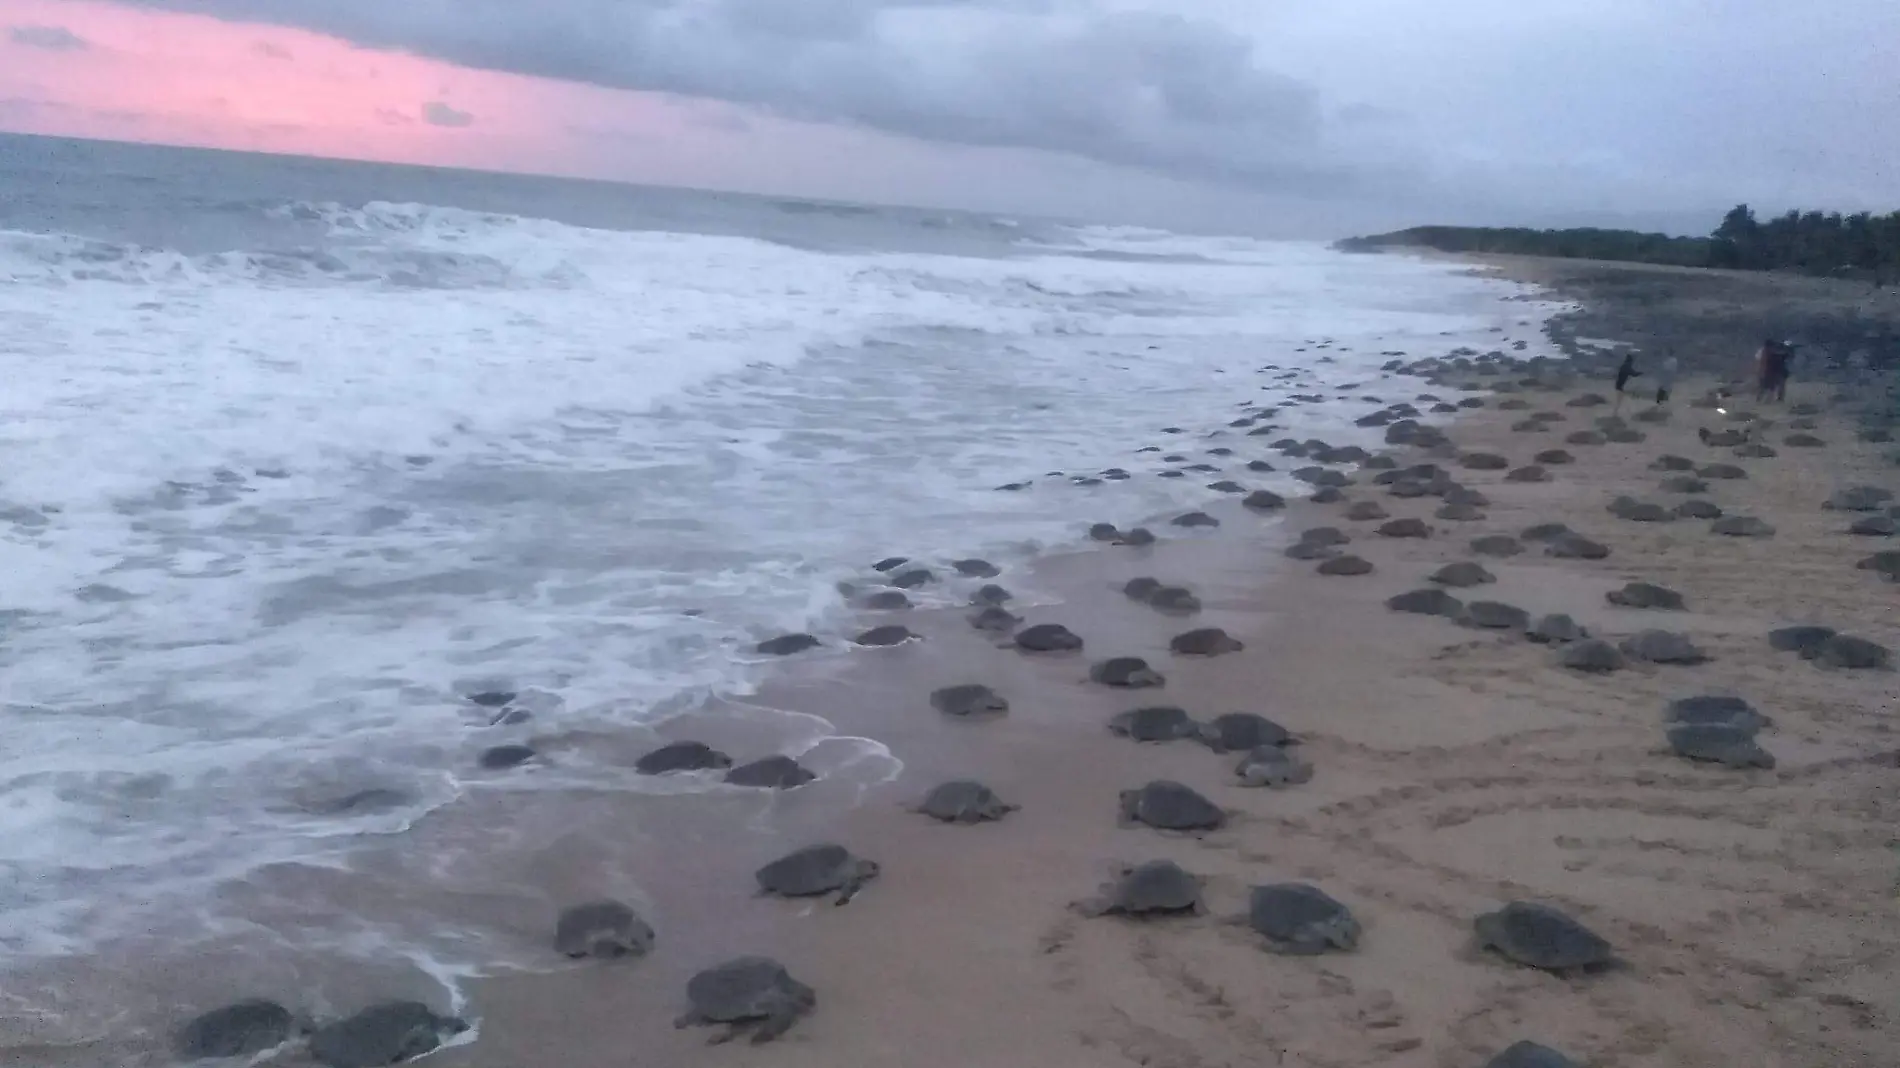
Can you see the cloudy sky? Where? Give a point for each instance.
(1294, 116)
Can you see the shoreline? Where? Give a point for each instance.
(1455, 769)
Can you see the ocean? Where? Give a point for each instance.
(298, 456)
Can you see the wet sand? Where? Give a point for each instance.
(1456, 769)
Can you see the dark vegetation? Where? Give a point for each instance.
(1861, 245)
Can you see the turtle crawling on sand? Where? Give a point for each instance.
(747, 992)
(815, 870)
(1159, 724)
(1159, 886)
(1542, 937)
(964, 801)
(1170, 806)
(1271, 765)
(1240, 732)
(1300, 920)
(1531, 1054)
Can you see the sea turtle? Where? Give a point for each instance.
(1496, 545)
(964, 801)
(1404, 528)
(747, 992)
(1159, 886)
(1175, 600)
(1847, 651)
(974, 568)
(1713, 710)
(1346, 566)
(682, 756)
(1495, 615)
(994, 618)
(1669, 462)
(1646, 595)
(787, 644)
(1272, 765)
(1741, 526)
(1126, 672)
(1530, 1055)
(965, 702)
(1594, 656)
(1047, 638)
(990, 594)
(1170, 806)
(776, 772)
(1556, 629)
(388, 1033)
(1324, 536)
(1366, 512)
(1162, 723)
(1301, 920)
(1859, 499)
(1697, 508)
(1539, 936)
(1310, 550)
(1427, 602)
(605, 929)
(1207, 641)
(815, 870)
(1240, 732)
(1140, 588)
(1662, 647)
(1798, 639)
(1719, 743)
(236, 1030)
(1576, 547)
(1460, 513)
(885, 636)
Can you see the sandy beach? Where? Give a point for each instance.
(1751, 910)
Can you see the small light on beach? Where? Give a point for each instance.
(1723, 411)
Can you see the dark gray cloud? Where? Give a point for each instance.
(50, 38)
(436, 113)
(1140, 88)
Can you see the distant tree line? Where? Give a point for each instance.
(1861, 245)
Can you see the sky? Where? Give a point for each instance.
(1305, 117)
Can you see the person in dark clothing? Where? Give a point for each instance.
(1623, 375)
(1774, 361)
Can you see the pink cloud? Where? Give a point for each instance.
(122, 71)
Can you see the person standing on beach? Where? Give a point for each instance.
(1772, 370)
(1623, 375)
(1666, 379)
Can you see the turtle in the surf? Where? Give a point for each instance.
(1241, 732)
(1159, 887)
(1161, 723)
(387, 1033)
(1300, 920)
(1542, 937)
(239, 1029)
(776, 772)
(815, 870)
(747, 993)
(964, 801)
(1272, 765)
(1170, 806)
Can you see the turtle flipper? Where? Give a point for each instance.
(776, 1024)
(689, 1018)
(850, 889)
(733, 1030)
